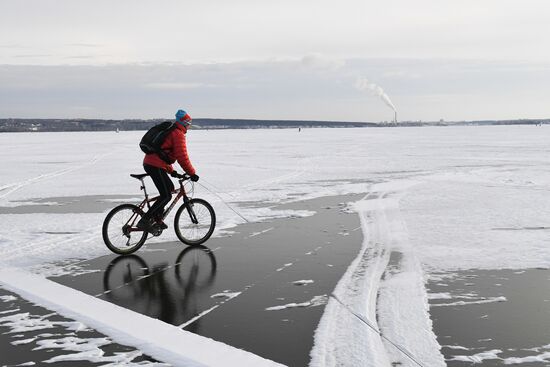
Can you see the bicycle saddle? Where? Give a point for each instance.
(139, 176)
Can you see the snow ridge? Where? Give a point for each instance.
(385, 284)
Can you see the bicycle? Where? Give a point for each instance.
(120, 232)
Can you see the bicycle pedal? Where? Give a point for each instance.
(156, 231)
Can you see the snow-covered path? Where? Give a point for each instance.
(385, 284)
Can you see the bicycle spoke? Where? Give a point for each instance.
(195, 232)
(117, 230)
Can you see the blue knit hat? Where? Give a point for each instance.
(183, 118)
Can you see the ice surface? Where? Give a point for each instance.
(541, 358)
(479, 357)
(303, 282)
(453, 198)
(284, 266)
(227, 295)
(74, 348)
(439, 296)
(261, 232)
(480, 301)
(459, 347)
(315, 301)
(25, 322)
(163, 341)
(461, 176)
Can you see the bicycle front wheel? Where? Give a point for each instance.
(119, 229)
(195, 222)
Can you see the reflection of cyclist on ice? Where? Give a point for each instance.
(171, 293)
(159, 165)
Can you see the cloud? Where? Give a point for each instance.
(82, 57)
(285, 89)
(22, 56)
(87, 45)
(319, 61)
(401, 74)
(175, 86)
(12, 45)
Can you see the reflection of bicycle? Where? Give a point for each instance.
(194, 222)
(169, 296)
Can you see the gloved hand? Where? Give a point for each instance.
(174, 174)
(194, 178)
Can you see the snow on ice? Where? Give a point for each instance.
(436, 200)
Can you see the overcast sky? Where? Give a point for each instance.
(327, 60)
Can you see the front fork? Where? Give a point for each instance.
(190, 210)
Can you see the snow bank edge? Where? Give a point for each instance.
(158, 339)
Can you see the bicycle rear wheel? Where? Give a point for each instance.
(119, 229)
(195, 225)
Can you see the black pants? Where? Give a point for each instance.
(165, 187)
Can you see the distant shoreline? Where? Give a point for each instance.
(52, 125)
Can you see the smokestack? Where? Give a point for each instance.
(395, 118)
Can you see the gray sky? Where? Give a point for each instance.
(458, 60)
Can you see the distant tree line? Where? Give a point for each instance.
(15, 125)
(21, 125)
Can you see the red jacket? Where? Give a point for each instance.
(176, 148)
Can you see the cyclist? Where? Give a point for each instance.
(175, 147)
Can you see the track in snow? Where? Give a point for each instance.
(385, 284)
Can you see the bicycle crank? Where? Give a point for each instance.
(156, 231)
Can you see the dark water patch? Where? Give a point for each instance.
(251, 204)
(227, 291)
(520, 228)
(492, 317)
(298, 194)
(69, 204)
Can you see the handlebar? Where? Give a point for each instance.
(180, 176)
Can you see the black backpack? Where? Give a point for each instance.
(154, 137)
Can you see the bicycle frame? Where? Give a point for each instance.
(180, 193)
(194, 221)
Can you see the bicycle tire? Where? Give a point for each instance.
(211, 217)
(108, 226)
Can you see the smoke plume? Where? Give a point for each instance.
(363, 84)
